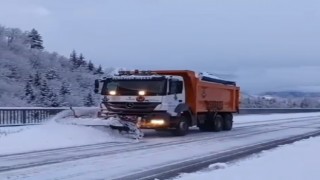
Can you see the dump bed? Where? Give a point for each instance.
(205, 94)
(216, 97)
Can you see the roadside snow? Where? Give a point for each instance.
(64, 131)
(297, 161)
(53, 135)
(12, 129)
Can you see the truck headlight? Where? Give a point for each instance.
(142, 93)
(157, 122)
(112, 93)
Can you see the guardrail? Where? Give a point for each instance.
(24, 116)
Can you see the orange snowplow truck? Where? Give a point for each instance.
(171, 99)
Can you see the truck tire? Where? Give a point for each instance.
(212, 124)
(182, 128)
(217, 123)
(227, 122)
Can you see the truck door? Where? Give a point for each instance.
(175, 95)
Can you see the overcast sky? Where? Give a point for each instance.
(263, 44)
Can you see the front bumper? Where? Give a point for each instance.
(153, 120)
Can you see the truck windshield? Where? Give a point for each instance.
(132, 87)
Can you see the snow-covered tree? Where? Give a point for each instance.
(37, 79)
(99, 70)
(35, 40)
(53, 100)
(81, 61)
(29, 93)
(52, 74)
(44, 93)
(65, 89)
(74, 59)
(12, 35)
(88, 100)
(90, 66)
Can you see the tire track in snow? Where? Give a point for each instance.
(193, 165)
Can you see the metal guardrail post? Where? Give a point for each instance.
(24, 116)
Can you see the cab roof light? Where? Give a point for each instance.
(135, 72)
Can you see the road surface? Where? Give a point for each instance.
(154, 154)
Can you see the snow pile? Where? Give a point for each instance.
(54, 135)
(295, 162)
(83, 112)
(61, 130)
(218, 166)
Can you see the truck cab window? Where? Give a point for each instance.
(175, 87)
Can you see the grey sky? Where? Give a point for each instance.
(264, 45)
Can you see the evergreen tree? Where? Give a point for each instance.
(29, 93)
(44, 93)
(52, 74)
(81, 61)
(74, 59)
(53, 100)
(99, 70)
(88, 100)
(90, 66)
(65, 89)
(35, 40)
(37, 79)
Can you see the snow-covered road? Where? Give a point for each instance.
(295, 161)
(113, 160)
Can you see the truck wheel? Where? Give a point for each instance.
(227, 122)
(182, 128)
(218, 123)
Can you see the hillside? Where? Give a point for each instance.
(293, 94)
(31, 76)
(281, 100)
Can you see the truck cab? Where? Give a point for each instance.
(143, 96)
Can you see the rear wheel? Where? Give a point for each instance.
(182, 128)
(227, 122)
(212, 123)
(217, 123)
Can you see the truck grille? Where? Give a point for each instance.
(122, 107)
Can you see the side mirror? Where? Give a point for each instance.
(96, 86)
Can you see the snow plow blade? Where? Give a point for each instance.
(89, 117)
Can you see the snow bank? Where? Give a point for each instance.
(295, 162)
(62, 130)
(53, 135)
